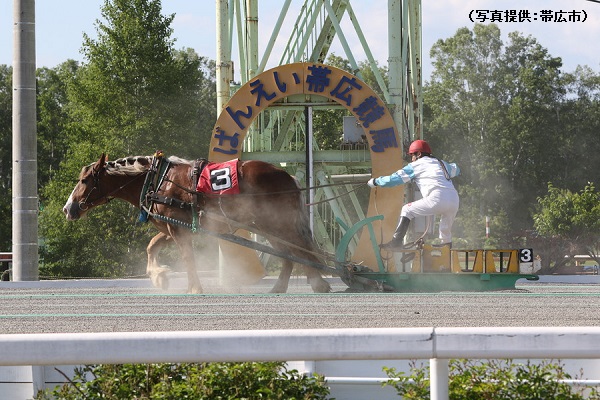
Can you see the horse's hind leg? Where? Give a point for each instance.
(315, 279)
(184, 242)
(158, 275)
(281, 285)
(318, 284)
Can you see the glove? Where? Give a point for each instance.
(372, 183)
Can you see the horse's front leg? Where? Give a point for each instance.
(183, 239)
(158, 275)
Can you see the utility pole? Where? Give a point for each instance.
(24, 145)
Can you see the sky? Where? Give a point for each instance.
(60, 25)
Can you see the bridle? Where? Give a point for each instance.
(85, 204)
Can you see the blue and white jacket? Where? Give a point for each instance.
(426, 172)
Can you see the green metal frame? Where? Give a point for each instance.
(315, 28)
(342, 249)
(418, 282)
(433, 282)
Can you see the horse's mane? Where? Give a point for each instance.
(135, 165)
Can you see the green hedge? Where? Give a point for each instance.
(494, 380)
(218, 381)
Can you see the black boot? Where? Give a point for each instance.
(397, 242)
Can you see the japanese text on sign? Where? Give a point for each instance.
(527, 16)
(319, 81)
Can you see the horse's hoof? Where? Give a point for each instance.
(195, 288)
(278, 288)
(160, 279)
(321, 287)
(163, 281)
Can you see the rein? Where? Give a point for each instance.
(280, 192)
(335, 197)
(157, 174)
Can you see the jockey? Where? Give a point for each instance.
(433, 177)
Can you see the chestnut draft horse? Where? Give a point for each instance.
(269, 200)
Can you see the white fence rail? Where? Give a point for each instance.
(436, 344)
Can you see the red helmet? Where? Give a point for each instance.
(419, 146)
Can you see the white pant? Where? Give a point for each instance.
(442, 202)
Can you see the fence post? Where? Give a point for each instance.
(439, 380)
(38, 378)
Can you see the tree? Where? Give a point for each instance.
(462, 112)
(134, 94)
(5, 157)
(527, 145)
(53, 118)
(52, 137)
(493, 110)
(580, 113)
(573, 217)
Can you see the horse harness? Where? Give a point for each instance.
(149, 196)
(157, 174)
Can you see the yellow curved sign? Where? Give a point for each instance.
(342, 87)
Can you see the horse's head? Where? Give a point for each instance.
(89, 191)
